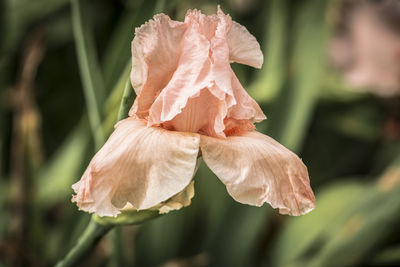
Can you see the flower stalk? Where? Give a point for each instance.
(89, 239)
(97, 228)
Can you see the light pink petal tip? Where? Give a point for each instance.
(155, 56)
(139, 165)
(243, 47)
(257, 169)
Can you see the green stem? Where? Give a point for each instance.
(128, 217)
(90, 237)
(117, 257)
(97, 228)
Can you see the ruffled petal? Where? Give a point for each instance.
(257, 169)
(221, 68)
(139, 165)
(189, 78)
(199, 91)
(243, 47)
(180, 200)
(237, 127)
(246, 107)
(202, 114)
(155, 56)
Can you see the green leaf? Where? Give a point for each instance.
(303, 234)
(271, 77)
(55, 180)
(351, 219)
(118, 49)
(89, 68)
(293, 109)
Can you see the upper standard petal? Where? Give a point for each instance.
(180, 69)
(247, 107)
(155, 55)
(189, 78)
(139, 165)
(257, 169)
(243, 47)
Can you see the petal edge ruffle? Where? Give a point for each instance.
(139, 165)
(243, 47)
(257, 169)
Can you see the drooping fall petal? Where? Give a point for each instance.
(257, 169)
(139, 165)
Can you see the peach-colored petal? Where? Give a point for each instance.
(155, 56)
(190, 76)
(139, 165)
(194, 89)
(257, 169)
(207, 24)
(221, 69)
(180, 200)
(237, 127)
(204, 113)
(243, 47)
(246, 107)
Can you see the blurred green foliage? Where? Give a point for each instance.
(78, 84)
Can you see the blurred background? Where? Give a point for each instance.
(330, 87)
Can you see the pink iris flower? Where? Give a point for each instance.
(190, 104)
